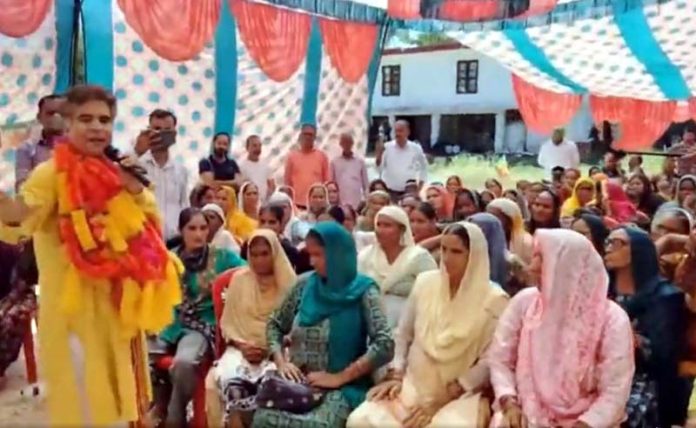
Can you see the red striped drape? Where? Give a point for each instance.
(469, 10)
(642, 122)
(276, 38)
(19, 18)
(542, 110)
(538, 7)
(176, 30)
(404, 9)
(350, 46)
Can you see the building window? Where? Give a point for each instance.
(391, 80)
(467, 77)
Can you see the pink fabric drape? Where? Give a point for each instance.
(176, 30)
(404, 9)
(469, 10)
(542, 110)
(19, 18)
(350, 46)
(276, 38)
(692, 107)
(642, 122)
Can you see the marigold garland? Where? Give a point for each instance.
(110, 240)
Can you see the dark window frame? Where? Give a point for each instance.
(467, 76)
(391, 80)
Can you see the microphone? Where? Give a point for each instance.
(139, 173)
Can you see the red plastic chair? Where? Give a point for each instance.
(164, 363)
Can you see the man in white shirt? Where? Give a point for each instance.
(169, 179)
(558, 152)
(256, 171)
(401, 160)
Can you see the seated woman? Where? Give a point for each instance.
(545, 211)
(317, 204)
(338, 332)
(218, 235)
(248, 200)
(497, 249)
(519, 241)
(238, 223)
(640, 191)
(252, 295)
(517, 197)
(591, 227)
(18, 276)
(439, 368)
(466, 203)
(190, 337)
(562, 354)
(423, 220)
(376, 200)
(395, 260)
(294, 229)
(658, 312)
(442, 201)
(583, 193)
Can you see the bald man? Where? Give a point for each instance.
(401, 160)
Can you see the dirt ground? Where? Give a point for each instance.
(18, 409)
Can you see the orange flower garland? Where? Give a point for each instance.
(107, 236)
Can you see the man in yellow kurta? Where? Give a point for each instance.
(104, 272)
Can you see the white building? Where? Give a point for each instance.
(453, 95)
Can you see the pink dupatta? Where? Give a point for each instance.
(561, 330)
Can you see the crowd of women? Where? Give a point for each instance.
(566, 303)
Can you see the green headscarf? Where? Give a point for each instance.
(338, 297)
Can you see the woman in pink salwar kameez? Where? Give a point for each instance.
(562, 354)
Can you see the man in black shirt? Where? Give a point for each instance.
(219, 169)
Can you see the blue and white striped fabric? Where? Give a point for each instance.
(641, 52)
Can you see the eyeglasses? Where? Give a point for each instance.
(614, 243)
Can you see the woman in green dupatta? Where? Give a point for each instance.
(339, 332)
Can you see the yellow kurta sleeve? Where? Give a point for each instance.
(41, 196)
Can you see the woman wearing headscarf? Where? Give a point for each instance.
(441, 200)
(519, 241)
(583, 193)
(466, 203)
(616, 204)
(453, 184)
(593, 228)
(338, 333)
(658, 313)
(518, 197)
(686, 186)
(192, 334)
(317, 203)
(248, 200)
(219, 237)
(395, 260)
(238, 223)
(376, 200)
(253, 293)
(562, 354)
(294, 229)
(497, 245)
(439, 368)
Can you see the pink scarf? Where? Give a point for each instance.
(562, 329)
(622, 209)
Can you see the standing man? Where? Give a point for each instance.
(306, 166)
(256, 171)
(558, 152)
(401, 160)
(350, 173)
(170, 179)
(612, 165)
(219, 169)
(33, 152)
(686, 163)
